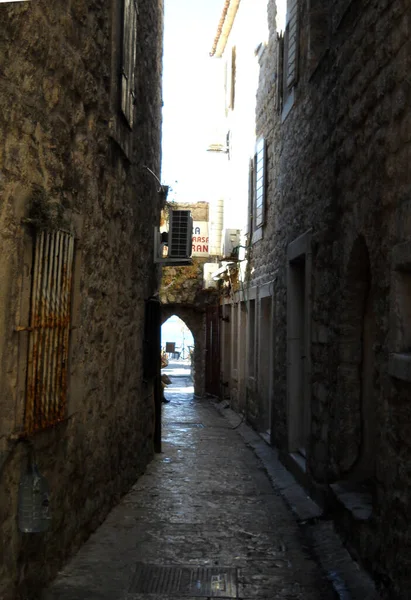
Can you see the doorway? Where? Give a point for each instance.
(212, 371)
(265, 352)
(177, 354)
(298, 344)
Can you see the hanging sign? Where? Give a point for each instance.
(200, 238)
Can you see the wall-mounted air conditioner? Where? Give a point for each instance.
(231, 243)
(173, 247)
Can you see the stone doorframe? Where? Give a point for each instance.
(299, 271)
(195, 321)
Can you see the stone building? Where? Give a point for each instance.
(185, 292)
(318, 334)
(80, 117)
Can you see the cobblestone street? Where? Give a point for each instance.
(203, 521)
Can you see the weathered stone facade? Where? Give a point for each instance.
(65, 142)
(335, 251)
(337, 172)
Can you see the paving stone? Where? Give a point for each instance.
(205, 504)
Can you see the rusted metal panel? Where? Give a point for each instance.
(49, 330)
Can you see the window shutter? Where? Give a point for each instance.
(233, 76)
(280, 75)
(228, 81)
(259, 184)
(291, 34)
(251, 187)
(129, 59)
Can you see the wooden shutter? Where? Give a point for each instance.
(129, 59)
(228, 81)
(291, 43)
(280, 76)
(233, 76)
(251, 188)
(259, 184)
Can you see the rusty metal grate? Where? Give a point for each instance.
(49, 330)
(214, 582)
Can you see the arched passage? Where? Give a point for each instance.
(175, 330)
(352, 443)
(195, 321)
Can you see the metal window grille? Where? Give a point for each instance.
(46, 392)
(180, 235)
(291, 42)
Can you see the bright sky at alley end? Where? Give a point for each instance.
(189, 95)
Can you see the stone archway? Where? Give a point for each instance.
(352, 431)
(195, 321)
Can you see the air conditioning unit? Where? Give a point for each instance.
(231, 243)
(173, 247)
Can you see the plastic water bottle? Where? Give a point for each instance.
(34, 515)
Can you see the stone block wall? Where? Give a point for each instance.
(63, 139)
(338, 166)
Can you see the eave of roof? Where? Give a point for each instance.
(224, 27)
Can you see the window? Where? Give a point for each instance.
(257, 188)
(49, 329)
(317, 32)
(128, 67)
(290, 45)
(230, 77)
(287, 68)
(123, 91)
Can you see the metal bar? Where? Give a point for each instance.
(33, 342)
(59, 357)
(54, 324)
(56, 329)
(66, 332)
(38, 421)
(48, 324)
(49, 330)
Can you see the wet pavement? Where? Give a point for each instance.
(204, 521)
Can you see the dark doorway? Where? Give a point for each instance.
(212, 371)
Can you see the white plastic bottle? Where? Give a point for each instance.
(34, 515)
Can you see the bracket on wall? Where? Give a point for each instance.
(163, 189)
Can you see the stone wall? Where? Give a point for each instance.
(338, 167)
(63, 138)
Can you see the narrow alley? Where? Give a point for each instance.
(203, 521)
(219, 191)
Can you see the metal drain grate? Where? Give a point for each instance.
(183, 424)
(215, 582)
